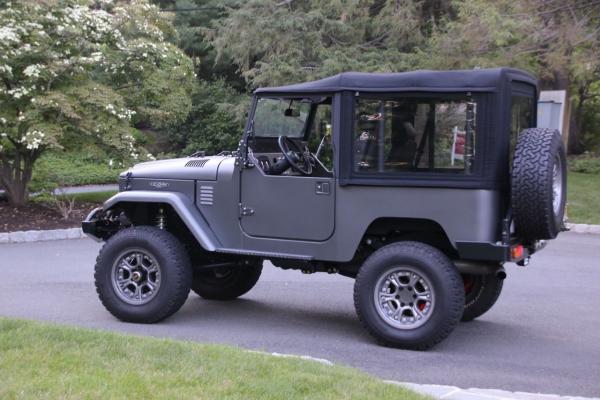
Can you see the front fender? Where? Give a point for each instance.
(182, 205)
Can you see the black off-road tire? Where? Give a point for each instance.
(444, 281)
(538, 152)
(175, 274)
(481, 293)
(228, 284)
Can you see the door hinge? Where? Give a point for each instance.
(245, 211)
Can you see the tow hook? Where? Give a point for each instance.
(524, 262)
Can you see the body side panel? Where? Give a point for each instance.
(464, 215)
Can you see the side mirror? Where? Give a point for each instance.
(290, 112)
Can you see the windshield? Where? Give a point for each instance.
(280, 117)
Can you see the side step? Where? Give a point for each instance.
(264, 254)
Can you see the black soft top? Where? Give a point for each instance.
(478, 80)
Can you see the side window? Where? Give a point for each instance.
(414, 134)
(521, 117)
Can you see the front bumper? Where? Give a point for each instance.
(89, 227)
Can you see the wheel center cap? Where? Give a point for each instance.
(136, 276)
(406, 296)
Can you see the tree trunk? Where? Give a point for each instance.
(16, 175)
(17, 194)
(575, 145)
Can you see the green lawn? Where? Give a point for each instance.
(50, 362)
(96, 197)
(583, 198)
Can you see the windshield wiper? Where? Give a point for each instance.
(200, 153)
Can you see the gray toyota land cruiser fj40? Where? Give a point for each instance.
(418, 185)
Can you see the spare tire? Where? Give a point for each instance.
(538, 184)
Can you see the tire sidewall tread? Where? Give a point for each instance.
(531, 184)
(175, 269)
(244, 278)
(488, 293)
(443, 278)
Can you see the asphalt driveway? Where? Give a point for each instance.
(542, 336)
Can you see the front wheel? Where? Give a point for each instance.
(226, 283)
(143, 274)
(409, 295)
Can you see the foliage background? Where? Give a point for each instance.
(184, 69)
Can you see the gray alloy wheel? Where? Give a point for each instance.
(409, 295)
(403, 297)
(143, 274)
(136, 276)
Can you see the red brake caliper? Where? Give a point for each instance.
(468, 283)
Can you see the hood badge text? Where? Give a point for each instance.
(159, 184)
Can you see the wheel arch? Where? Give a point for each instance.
(427, 231)
(140, 206)
(386, 230)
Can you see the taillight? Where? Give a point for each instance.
(516, 252)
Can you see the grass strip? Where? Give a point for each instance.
(44, 361)
(583, 198)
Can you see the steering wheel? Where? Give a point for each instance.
(299, 158)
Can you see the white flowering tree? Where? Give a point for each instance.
(93, 69)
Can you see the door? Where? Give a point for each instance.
(287, 207)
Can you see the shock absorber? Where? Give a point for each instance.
(161, 221)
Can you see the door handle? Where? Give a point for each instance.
(323, 188)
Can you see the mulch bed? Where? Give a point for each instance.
(39, 216)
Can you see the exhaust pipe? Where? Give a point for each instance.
(501, 274)
(480, 268)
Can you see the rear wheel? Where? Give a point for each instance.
(226, 283)
(409, 295)
(481, 293)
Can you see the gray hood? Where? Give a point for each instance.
(201, 168)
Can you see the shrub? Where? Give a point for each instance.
(587, 164)
(56, 169)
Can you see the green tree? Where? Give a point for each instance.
(559, 41)
(92, 69)
(275, 42)
(215, 122)
(193, 20)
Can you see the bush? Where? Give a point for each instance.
(65, 169)
(587, 164)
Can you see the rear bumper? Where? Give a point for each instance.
(514, 251)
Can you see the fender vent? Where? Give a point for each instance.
(206, 195)
(197, 163)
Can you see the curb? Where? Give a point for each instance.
(41, 236)
(584, 228)
(455, 393)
